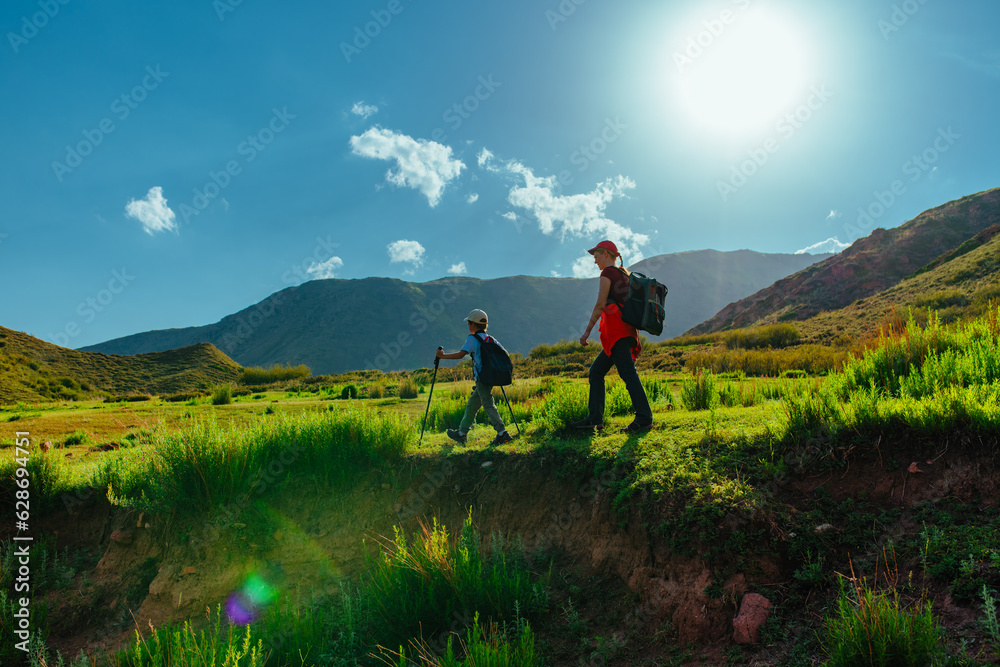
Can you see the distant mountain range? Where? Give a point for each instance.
(338, 325)
(870, 266)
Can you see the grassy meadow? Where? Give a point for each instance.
(756, 444)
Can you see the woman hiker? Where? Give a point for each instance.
(619, 344)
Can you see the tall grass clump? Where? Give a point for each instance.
(872, 628)
(774, 336)
(701, 392)
(408, 388)
(424, 587)
(496, 645)
(202, 465)
(217, 645)
(222, 395)
(931, 379)
(276, 373)
(812, 359)
(562, 406)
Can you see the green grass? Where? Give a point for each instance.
(202, 465)
(423, 586)
(276, 373)
(219, 643)
(873, 628)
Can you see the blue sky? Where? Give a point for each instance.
(168, 164)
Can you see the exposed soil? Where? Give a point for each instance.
(612, 565)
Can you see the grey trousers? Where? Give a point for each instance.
(482, 397)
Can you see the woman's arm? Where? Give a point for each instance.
(602, 300)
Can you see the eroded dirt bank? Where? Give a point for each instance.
(169, 571)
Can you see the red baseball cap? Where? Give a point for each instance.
(605, 245)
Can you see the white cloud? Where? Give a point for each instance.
(423, 165)
(555, 274)
(834, 213)
(364, 110)
(584, 267)
(580, 215)
(152, 212)
(509, 215)
(409, 252)
(324, 270)
(473, 198)
(830, 245)
(458, 269)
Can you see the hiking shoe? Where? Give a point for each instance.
(587, 422)
(501, 439)
(457, 436)
(636, 427)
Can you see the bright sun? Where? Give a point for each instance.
(738, 72)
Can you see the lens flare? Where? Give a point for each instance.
(245, 606)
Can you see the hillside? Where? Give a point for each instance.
(957, 285)
(871, 265)
(338, 325)
(32, 369)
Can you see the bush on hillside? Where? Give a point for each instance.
(775, 336)
(276, 373)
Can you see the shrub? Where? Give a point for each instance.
(376, 390)
(350, 391)
(276, 373)
(557, 349)
(222, 395)
(408, 388)
(700, 392)
(773, 336)
(77, 438)
(941, 300)
(873, 629)
(564, 405)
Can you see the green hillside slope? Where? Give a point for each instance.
(31, 369)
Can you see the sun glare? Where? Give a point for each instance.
(737, 72)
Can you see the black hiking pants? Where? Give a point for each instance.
(621, 358)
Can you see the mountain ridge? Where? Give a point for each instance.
(869, 266)
(337, 325)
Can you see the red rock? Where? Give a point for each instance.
(754, 612)
(188, 570)
(122, 537)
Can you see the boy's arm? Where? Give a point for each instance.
(454, 355)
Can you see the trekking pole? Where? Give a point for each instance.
(511, 411)
(437, 360)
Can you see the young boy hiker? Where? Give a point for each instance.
(482, 394)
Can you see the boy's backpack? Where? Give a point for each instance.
(497, 370)
(643, 307)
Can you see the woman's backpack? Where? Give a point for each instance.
(643, 307)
